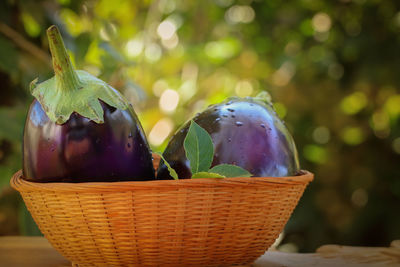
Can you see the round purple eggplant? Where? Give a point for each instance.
(245, 132)
(80, 129)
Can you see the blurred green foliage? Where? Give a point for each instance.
(330, 66)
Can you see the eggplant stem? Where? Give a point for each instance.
(58, 95)
(65, 74)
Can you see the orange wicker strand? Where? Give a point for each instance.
(199, 222)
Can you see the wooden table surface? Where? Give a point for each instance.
(20, 251)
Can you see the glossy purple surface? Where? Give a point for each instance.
(81, 150)
(246, 133)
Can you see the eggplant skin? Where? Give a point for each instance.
(245, 132)
(81, 150)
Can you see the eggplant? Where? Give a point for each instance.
(245, 132)
(80, 129)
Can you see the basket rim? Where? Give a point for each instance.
(20, 184)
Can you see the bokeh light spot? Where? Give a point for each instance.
(380, 124)
(321, 135)
(169, 100)
(240, 14)
(134, 47)
(321, 22)
(160, 131)
(321, 36)
(31, 26)
(392, 106)
(397, 19)
(353, 135)
(153, 52)
(170, 43)
(306, 27)
(159, 87)
(284, 74)
(353, 103)
(315, 153)
(223, 49)
(188, 89)
(244, 88)
(359, 197)
(396, 145)
(166, 29)
(73, 22)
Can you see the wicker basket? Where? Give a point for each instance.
(199, 222)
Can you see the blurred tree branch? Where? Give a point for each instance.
(24, 44)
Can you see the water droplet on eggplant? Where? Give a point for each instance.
(231, 110)
(238, 123)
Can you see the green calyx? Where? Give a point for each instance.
(73, 90)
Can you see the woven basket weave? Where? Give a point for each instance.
(193, 222)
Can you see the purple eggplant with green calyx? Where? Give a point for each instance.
(80, 129)
(245, 132)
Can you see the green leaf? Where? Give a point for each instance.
(229, 170)
(199, 148)
(206, 175)
(172, 172)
